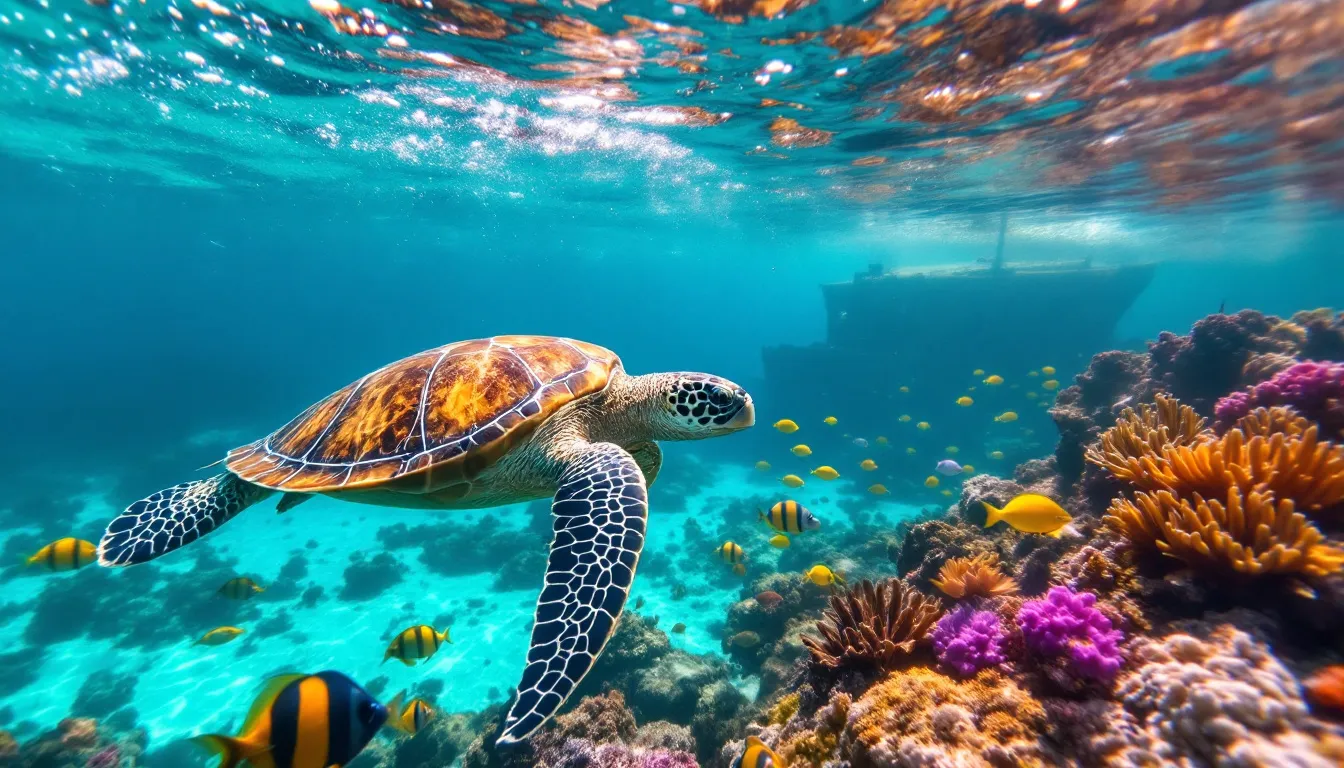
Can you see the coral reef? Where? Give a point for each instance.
(76, 743)
(366, 579)
(1203, 366)
(872, 625)
(1314, 390)
(974, 577)
(967, 640)
(1083, 410)
(1143, 435)
(1067, 624)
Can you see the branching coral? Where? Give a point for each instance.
(1253, 535)
(1139, 438)
(872, 625)
(977, 576)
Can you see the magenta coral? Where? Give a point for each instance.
(1067, 624)
(968, 640)
(1315, 390)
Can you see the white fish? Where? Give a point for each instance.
(948, 468)
(859, 441)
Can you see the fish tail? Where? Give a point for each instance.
(992, 514)
(1057, 533)
(395, 709)
(444, 637)
(231, 751)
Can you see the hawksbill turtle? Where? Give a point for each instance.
(470, 425)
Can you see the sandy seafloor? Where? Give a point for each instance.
(184, 690)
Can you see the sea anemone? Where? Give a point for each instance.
(974, 577)
(872, 625)
(1140, 437)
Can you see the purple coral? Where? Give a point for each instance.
(968, 640)
(1315, 390)
(1067, 623)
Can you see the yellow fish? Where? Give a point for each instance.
(800, 450)
(868, 465)
(787, 426)
(740, 569)
(219, 636)
(1033, 373)
(994, 380)
(905, 418)
(418, 642)
(830, 421)
(967, 469)
(945, 492)
(241, 588)
(1030, 513)
(789, 517)
(996, 455)
(905, 390)
(964, 401)
(923, 426)
(1048, 370)
(757, 755)
(731, 552)
(779, 541)
(408, 717)
(1032, 395)
(823, 576)
(910, 451)
(930, 482)
(954, 450)
(1050, 384)
(978, 372)
(66, 554)
(1006, 416)
(825, 472)
(877, 489)
(792, 481)
(763, 466)
(881, 440)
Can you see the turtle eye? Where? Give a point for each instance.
(720, 396)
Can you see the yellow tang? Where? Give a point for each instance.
(409, 717)
(825, 472)
(967, 469)
(730, 552)
(1006, 417)
(800, 450)
(910, 450)
(241, 588)
(779, 541)
(923, 425)
(1048, 370)
(978, 372)
(823, 576)
(792, 481)
(66, 554)
(300, 721)
(763, 466)
(1050, 384)
(789, 517)
(930, 482)
(905, 389)
(219, 636)
(954, 450)
(905, 418)
(418, 642)
(877, 489)
(787, 426)
(830, 420)
(1030, 513)
(757, 755)
(881, 440)
(996, 455)
(994, 380)
(964, 401)
(868, 465)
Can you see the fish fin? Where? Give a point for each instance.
(444, 637)
(232, 751)
(395, 709)
(407, 662)
(1055, 534)
(269, 690)
(992, 514)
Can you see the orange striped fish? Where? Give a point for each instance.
(302, 721)
(409, 717)
(790, 517)
(241, 588)
(418, 642)
(66, 554)
(757, 755)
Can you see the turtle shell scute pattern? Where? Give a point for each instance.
(428, 421)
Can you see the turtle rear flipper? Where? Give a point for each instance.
(174, 517)
(600, 511)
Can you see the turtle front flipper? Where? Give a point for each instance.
(600, 511)
(174, 517)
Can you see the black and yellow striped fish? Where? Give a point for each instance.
(241, 588)
(66, 554)
(730, 552)
(790, 517)
(408, 717)
(302, 721)
(757, 755)
(418, 642)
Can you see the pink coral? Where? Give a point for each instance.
(1315, 390)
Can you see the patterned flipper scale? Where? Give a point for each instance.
(175, 517)
(599, 512)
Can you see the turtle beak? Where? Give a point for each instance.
(745, 417)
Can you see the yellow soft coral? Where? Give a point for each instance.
(1274, 420)
(974, 577)
(784, 709)
(1141, 436)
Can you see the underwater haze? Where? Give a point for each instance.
(1030, 302)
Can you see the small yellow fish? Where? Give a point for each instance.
(779, 541)
(910, 451)
(731, 552)
(792, 481)
(1050, 384)
(905, 418)
(967, 469)
(945, 492)
(881, 440)
(1033, 373)
(800, 450)
(787, 426)
(877, 489)
(825, 472)
(1032, 395)
(823, 576)
(1006, 416)
(740, 569)
(241, 588)
(1030, 513)
(905, 390)
(418, 642)
(964, 401)
(1048, 370)
(868, 465)
(954, 450)
(66, 554)
(409, 717)
(978, 372)
(830, 421)
(994, 380)
(996, 455)
(220, 636)
(930, 482)
(922, 426)
(757, 755)
(763, 466)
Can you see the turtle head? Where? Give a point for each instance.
(692, 406)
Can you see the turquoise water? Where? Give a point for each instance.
(215, 214)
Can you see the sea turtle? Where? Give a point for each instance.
(469, 425)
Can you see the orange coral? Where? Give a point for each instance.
(1141, 437)
(974, 577)
(1270, 421)
(872, 625)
